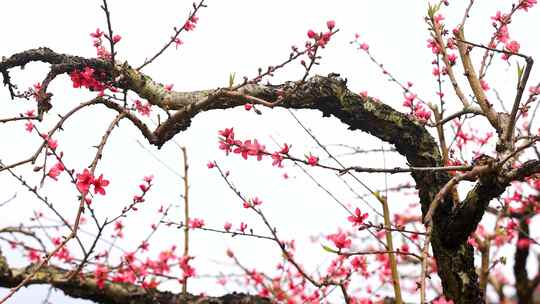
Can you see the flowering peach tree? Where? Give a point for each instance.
(467, 235)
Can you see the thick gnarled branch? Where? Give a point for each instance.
(85, 286)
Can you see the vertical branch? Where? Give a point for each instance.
(390, 248)
(425, 254)
(109, 27)
(521, 274)
(485, 247)
(186, 213)
(474, 81)
(522, 82)
(437, 35)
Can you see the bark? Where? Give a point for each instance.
(86, 287)
(523, 288)
(452, 224)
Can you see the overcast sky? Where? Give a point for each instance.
(231, 36)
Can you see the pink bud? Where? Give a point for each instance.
(116, 38)
(330, 24)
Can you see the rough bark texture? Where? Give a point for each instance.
(452, 224)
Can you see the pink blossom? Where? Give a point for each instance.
(324, 39)
(196, 223)
(526, 4)
(243, 227)
(452, 58)
(438, 18)
(84, 180)
(99, 185)
(116, 38)
(502, 34)
(409, 100)
(34, 256)
(256, 201)
(277, 159)
(312, 160)
(227, 226)
(248, 106)
(249, 148)
(513, 47)
(210, 165)
(358, 218)
(435, 48)
(55, 171)
(97, 34)
(499, 17)
(29, 126)
(340, 240)
(311, 34)
(364, 46)
(187, 270)
(484, 84)
(177, 42)
(101, 274)
(189, 26)
(422, 113)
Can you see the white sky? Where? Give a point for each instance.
(231, 36)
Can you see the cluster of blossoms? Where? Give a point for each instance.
(86, 179)
(417, 110)
(51, 143)
(361, 45)
(133, 271)
(63, 253)
(29, 126)
(464, 137)
(247, 148)
(143, 109)
(145, 187)
(86, 79)
(101, 51)
(322, 39)
(242, 228)
(189, 25)
(500, 23)
(252, 203)
(228, 143)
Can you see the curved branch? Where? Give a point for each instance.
(329, 95)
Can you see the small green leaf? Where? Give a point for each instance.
(520, 70)
(231, 79)
(328, 249)
(378, 196)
